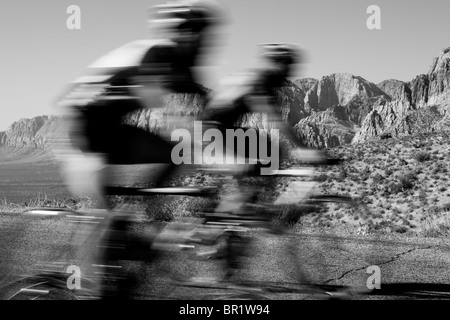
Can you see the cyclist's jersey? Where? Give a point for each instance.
(113, 76)
(243, 93)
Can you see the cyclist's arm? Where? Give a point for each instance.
(264, 104)
(150, 83)
(303, 152)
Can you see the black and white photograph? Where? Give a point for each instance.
(240, 152)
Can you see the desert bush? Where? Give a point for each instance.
(400, 229)
(289, 215)
(393, 188)
(377, 178)
(42, 201)
(359, 155)
(422, 196)
(342, 174)
(436, 226)
(422, 156)
(321, 178)
(407, 180)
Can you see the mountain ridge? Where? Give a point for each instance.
(336, 109)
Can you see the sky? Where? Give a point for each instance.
(39, 55)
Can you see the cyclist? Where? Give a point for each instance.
(133, 77)
(255, 92)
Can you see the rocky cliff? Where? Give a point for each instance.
(339, 89)
(326, 129)
(335, 107)
(31, 133)
(420, 105)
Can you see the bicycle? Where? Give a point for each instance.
(228, 232)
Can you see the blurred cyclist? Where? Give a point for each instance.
(256, 92)
(136, 76)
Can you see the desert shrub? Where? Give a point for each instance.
(436, 226)
(359, 155)
(321, 178)
(435, 176)
(289, 215)
(368, 200)
(422, 156)
(42, 201)
(393, 188)
(366, 170)
(422, 196)
(343, 173)
(377, 178)
(400, 229)
(407, 181)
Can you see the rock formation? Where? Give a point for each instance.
(420, 105)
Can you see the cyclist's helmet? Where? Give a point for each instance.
(190, 15)
(280, 52)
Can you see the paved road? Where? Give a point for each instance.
(410, 268)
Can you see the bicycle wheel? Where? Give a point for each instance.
(330, 261)
(204, 261)
(317, 263)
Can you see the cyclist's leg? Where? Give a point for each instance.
(81, 164)
(112, 142)
(133, 145)
(234, 201)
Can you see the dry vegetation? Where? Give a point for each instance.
(403, 181)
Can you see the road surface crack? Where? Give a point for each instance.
(394, 258)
